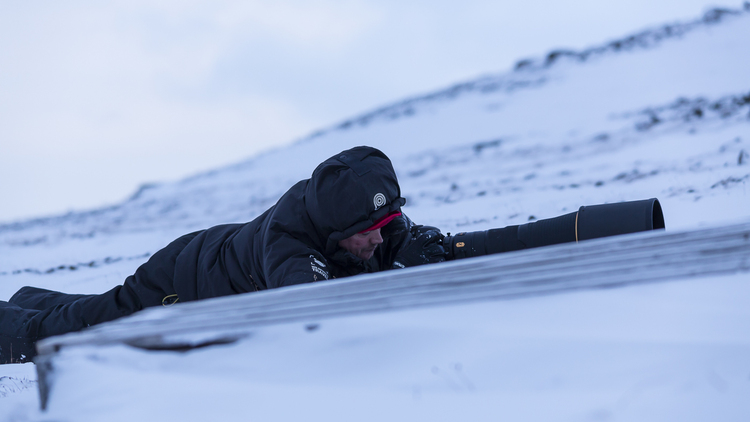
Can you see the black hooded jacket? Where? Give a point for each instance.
(296, 240)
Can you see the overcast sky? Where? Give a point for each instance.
(97, 98)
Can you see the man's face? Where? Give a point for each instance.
(362, 245)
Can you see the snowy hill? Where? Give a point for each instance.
(662, 113)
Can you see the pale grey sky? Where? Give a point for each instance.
(97, 98)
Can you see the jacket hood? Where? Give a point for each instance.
(348, 192)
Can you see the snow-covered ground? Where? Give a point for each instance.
(664, 113)
(671, 351)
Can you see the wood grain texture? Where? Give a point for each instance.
(600, 263)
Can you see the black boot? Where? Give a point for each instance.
(20, 328)
(15, 348)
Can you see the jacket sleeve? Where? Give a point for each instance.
(289, 261)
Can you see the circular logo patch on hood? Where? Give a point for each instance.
(379, 200)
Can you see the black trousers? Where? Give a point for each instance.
(33, 314)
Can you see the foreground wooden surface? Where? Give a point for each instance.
(601, 263)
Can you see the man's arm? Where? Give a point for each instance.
(289, 261)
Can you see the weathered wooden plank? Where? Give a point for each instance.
(639, 258)
(601, 263)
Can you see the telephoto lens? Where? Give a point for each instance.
(589, 222)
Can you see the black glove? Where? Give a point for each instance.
(424, 247)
